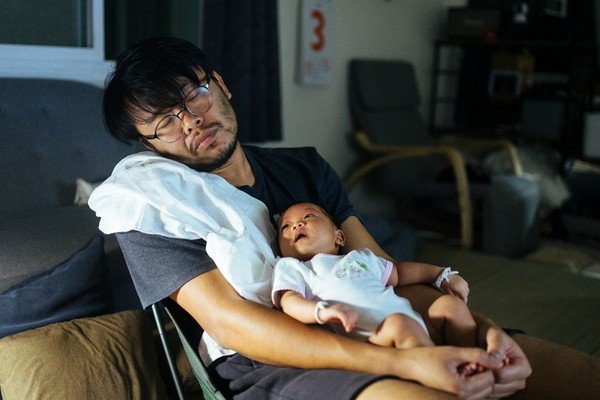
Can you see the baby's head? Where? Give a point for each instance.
(305, 230)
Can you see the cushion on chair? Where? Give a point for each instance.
(385, 85)
(383, 127)
(107, 357)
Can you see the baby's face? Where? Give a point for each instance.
(305, 230)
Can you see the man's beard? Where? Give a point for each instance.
(206, 165)
(221, 159)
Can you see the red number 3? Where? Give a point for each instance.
(320, 38)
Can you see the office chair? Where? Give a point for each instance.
(390, 131)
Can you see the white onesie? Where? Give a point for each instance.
(358, 279)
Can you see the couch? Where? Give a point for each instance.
(71, 325)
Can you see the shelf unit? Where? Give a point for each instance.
(579, 96)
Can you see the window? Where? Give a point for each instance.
(126, 22)
(60, 30)
(66, 39)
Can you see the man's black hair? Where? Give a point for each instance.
(148, 76)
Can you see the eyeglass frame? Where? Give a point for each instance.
(183, 109)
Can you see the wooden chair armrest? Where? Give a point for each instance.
(483, 144)
(394, 153)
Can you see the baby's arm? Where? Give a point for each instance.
(408, 273)
(296, 306)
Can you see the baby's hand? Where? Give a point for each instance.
(339, 314)
(456, 286)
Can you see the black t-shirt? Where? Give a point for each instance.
(284, 176)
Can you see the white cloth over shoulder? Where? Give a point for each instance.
(152, 194)
(155, 195)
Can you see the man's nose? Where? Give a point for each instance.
(191, 122)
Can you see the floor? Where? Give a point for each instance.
(546, 295)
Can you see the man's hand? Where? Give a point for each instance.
(339, 314)
(440, 368)
(456, 286)
(515, 370)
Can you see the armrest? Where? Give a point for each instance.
(393, 153)
(484, 144)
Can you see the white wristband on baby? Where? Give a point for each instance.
(321, 305)
(444, 276)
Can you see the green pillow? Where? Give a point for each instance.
(107, 357)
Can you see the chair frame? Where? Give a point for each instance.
(167, 350)
(385, 154)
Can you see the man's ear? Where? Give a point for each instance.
(340, 239)
(222, 85)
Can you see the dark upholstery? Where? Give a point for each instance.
(385, 104)
(37, 240)
(386, 101)
(77, 287)
(51, 133)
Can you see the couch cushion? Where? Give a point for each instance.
(35, 241)
(32, 242)
(107, 357)
(52, 134)
(74, 288)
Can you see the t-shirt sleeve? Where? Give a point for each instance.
(288, 275)
(333, 192)
(160, 265)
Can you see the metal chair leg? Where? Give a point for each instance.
(168, 354)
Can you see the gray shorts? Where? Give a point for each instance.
(240, 378)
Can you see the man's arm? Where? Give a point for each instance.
(507, 379)
(270, 336)
(267, 335)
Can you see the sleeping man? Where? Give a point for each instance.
(193, 217)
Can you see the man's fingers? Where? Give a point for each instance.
(482, 358)
(501, 390)
(514, 372)
(477, 386)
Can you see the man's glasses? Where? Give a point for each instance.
(170, 128)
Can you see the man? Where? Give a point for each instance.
(164, 93)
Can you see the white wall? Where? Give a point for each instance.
(319, 116)
(315, 116)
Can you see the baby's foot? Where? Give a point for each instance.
(470, 369)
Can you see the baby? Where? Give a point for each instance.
(354, 293)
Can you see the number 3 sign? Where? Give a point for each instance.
(315, 54)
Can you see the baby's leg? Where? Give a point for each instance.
(400, 331)
(452, 322)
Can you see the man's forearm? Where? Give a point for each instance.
(270, 336)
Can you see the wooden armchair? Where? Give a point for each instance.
(389, 129)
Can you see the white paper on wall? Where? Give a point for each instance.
(315, 42)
